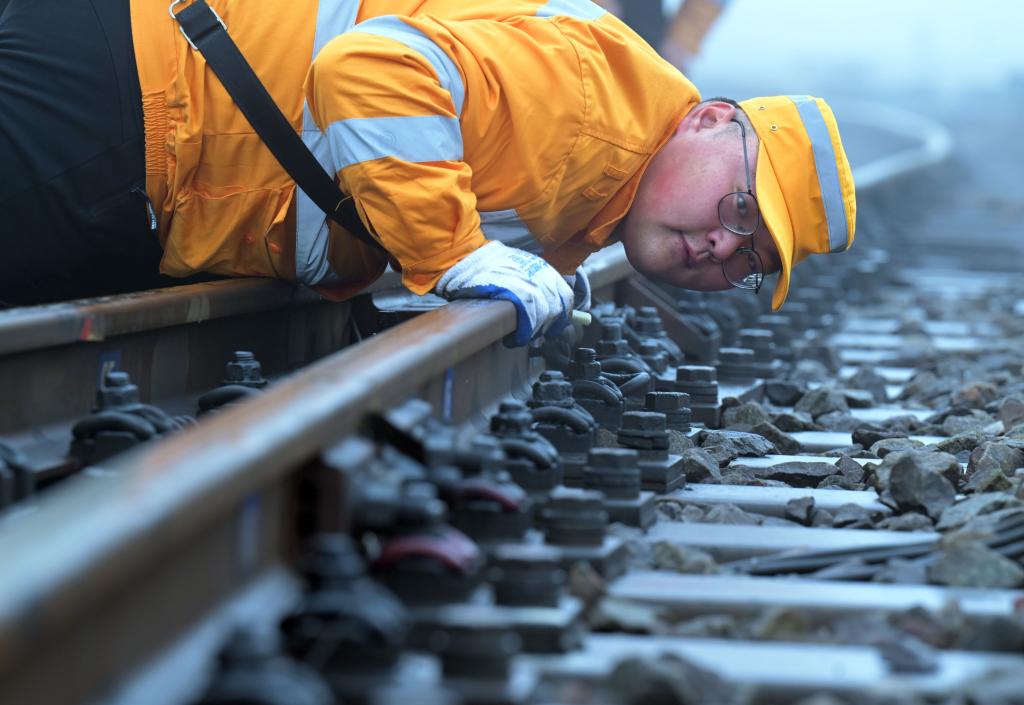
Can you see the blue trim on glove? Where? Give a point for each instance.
(557, 326)
(524, 326)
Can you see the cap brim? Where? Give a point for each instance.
(776, 218)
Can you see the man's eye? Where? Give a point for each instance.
(752, 263)
(742, 204)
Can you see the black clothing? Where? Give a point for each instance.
(74, 218)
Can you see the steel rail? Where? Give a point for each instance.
(28, 328)
(933, 143)
(94, 536)
(89, 540)
(243, 449)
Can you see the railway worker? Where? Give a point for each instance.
(466, 134)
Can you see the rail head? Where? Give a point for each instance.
(28, 328)
(931, 143)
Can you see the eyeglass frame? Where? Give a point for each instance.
(759, 269)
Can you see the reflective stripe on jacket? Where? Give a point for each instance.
(450, 122)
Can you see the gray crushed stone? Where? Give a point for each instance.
(978, 505)
(964, 562)
(917, 482)
(700, 466)
(675, 558)
(783, 442)
(793, 473)
(669, 680)
(820, 401)
(800, 510)
(737, 442)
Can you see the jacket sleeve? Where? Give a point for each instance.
(388, 98)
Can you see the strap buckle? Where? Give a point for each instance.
(170, 11)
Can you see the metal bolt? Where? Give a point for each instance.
(612, 344)
(485, 457)
(735, 356)
(584, 364)
(476, 647)
(781, 326)
(756, 338)
(614, 472)
(527, 575)
(512, 419)
(574, 518)
(643, 421)
(695, 373)
(647, 322)
(666, 402)
(332, 559)
(117, 390)
(799, 314)
(646, 431)
(244, 369)
(552, 389)
(611, 330)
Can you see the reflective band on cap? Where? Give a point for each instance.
(425, 138)
(828, 172)
(580, 9)
(447, 72)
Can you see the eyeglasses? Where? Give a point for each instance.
(739, 214)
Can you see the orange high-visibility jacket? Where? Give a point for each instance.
(450, 122)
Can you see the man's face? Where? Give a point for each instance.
(673, 232)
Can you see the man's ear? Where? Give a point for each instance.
(712, 114)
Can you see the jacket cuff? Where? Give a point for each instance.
(421, 277)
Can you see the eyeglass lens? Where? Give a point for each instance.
(744, 269)
(738, 213)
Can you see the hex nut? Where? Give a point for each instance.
(666, 402)
(695, 373)
(643, 421)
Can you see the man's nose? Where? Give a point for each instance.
(723, 243)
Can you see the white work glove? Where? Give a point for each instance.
(580, 285)
(542, 298)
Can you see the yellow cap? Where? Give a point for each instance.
(804, 184)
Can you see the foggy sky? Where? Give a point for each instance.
(866, 46)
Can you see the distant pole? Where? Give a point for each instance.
(645, 17)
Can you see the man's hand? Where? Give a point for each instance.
(542, 298)
(580, 285)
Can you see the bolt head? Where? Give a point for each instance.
(584, 364)
(611, 330)
(612, 458)
(695, 373)
(117, 390)
(755, 337)
(643, 421)
(512, 418)
(552, 390)
(666, 401)
(733, 356)
(574, 498)
(243, 368)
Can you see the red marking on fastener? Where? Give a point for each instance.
(249, 239)
(86, 332)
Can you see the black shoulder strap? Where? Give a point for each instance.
(206, 32)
